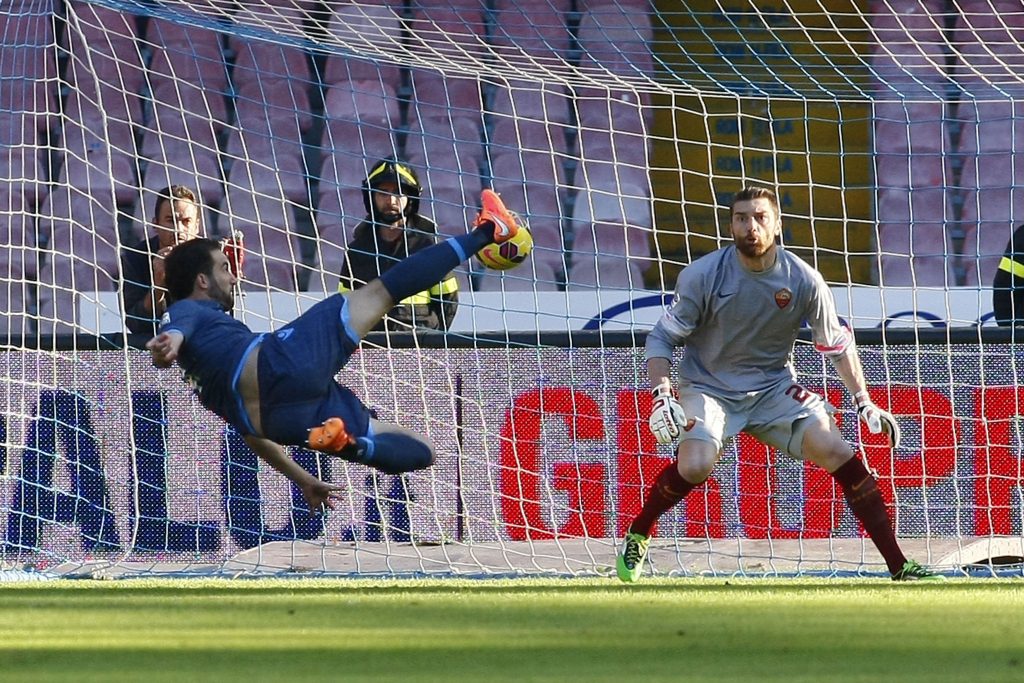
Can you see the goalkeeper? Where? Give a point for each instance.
(278, 388)
(738, 310)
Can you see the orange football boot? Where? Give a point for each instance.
(494, 212)
(331, 437)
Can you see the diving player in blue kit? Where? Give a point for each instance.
(278, 388)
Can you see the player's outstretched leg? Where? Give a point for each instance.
(331, 437)
(630, 562)
(388, 448)
(429, 266)
(493, 211)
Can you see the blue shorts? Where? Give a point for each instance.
(297, 365)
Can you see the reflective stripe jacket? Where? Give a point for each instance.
(368, 256)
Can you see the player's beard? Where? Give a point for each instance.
(752, 249)
(225, 297)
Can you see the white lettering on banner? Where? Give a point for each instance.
(610, 310)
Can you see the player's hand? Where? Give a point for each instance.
(878, 420)
(667, 417)
(158, 266)
(164, 348)
(319, 494)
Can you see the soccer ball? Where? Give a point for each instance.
(508, 254)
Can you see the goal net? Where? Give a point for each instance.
(618, 128)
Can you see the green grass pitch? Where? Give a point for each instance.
(680, 630)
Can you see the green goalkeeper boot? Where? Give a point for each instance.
(630, 562)
(914, 571)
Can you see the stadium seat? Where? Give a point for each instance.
(94, 167)
(618, 39)
(531, 100)
(268, 165)
(273, 77)
(531, 184)
(347, 148)
(19, 261)
(536, 27)
(610, 237)
(443, 97)
(28, 72)
(339, 210)
(909, 58)
(188, 82)
(993, 202)
(362, 23)
(368, 102)
(80, 256)
(913, 241)
(447, 156)
(103, 43)
(21, 172)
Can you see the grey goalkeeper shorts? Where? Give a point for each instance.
(776, 416)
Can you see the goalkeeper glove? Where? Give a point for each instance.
(667, 417)
(876, 419)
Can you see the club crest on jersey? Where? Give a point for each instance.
(783, 297)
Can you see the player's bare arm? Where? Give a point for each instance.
(316, 493)
(851, 371)
(165, 347)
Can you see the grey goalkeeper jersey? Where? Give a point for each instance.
(739, 326)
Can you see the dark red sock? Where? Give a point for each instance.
(864, 498)
(668, 489)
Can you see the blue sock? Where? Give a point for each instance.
(429, 266)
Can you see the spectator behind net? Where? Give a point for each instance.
(177, 218)
(393, 229)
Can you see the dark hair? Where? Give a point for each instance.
(173, 192)
(755, 192)
(185, 263)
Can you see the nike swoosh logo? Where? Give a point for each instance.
(725, 295)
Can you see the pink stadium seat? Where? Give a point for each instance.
(273, 246)
(610, 237)
(273, 166)
(28, 68)
(448, 160)
(629, 5)
(371, 102)
(909, 56)
(913, 241)
(537, 27)
(437, 96)
(993, 201)
(80, 256)
(274, 78)
(989, 36)
(532, 100)
(910, 127)
(18, 263)
(991, 60)
(508, 134)
(105, 61)
(339, 210)
(95, 168)
(22, 173)
(188, 79)
(359, 23)
(618, 39)
(912, 210)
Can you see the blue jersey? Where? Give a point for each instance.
(211, 354)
